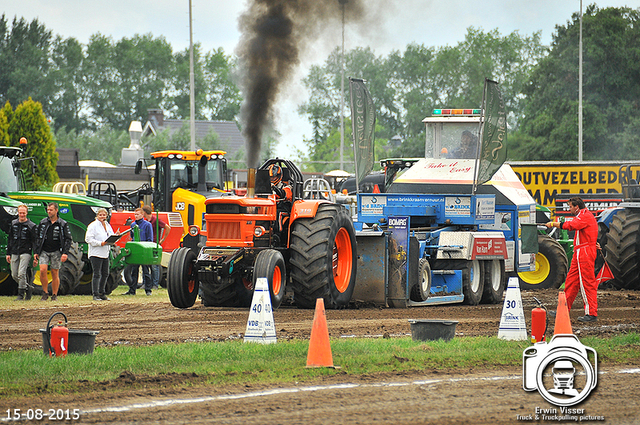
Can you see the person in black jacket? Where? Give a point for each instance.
(20, 245)
(52, 248)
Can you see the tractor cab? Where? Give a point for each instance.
(11, 175)
(184, 179)
(452, 133)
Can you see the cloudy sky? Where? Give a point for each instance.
(215, 24)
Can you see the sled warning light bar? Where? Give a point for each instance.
(460, 112)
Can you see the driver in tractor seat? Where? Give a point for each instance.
(284, 195)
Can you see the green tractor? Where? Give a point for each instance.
(555, 250)
(77, 210)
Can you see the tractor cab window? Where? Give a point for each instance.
(8, 180)
(214, 175)
(158, 195)
(184, 174)
(453, 140)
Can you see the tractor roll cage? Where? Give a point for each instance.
(290, 173)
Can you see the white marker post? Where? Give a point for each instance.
(260, 326)
(512, 324)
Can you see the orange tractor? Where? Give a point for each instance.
(303, 246)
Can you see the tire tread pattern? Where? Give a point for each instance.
(623, 249)
(180, 267)
(311, 250)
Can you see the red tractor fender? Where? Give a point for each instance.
(304, 208)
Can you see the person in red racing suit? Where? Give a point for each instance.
(581, 276)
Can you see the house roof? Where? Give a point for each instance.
(230, 136)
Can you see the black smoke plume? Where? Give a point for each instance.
(274, 33)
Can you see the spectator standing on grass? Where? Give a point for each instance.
(21, 242)
(97, 233)
(131, 271)
(52, 248)
(164, 229)
(581, 276)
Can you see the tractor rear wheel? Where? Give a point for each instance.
(495, 281)
(623, 249)
(421, 290)
(269, 264)
(84, 285)
(228, 292)
(323, 258)
(552, 266)
(71, 271)
(602, 240)
(163, 277)
(8, 286)
(113, 281)
(182, 280)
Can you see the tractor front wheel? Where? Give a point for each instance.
(323, 258)
(269, 264)
(182, 282)
(552, 266)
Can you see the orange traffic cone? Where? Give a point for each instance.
(376, 189)
(563, 322)
(319, 348)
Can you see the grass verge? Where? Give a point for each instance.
(25, 373)
(157, 295)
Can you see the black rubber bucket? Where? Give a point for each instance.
(432, 330)
(80, 341)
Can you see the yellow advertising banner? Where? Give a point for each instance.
(544, 180)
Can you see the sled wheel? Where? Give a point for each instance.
(473, 282)
(270, 264)
(495, 282)
(182, 282)
(420, 291)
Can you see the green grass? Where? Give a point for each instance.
(157, 295)
(225, 363)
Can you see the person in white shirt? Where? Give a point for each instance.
(97, 233)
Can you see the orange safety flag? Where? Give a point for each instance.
(604, 274)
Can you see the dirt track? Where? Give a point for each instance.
(141, 321)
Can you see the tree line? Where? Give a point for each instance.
(90, 93)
